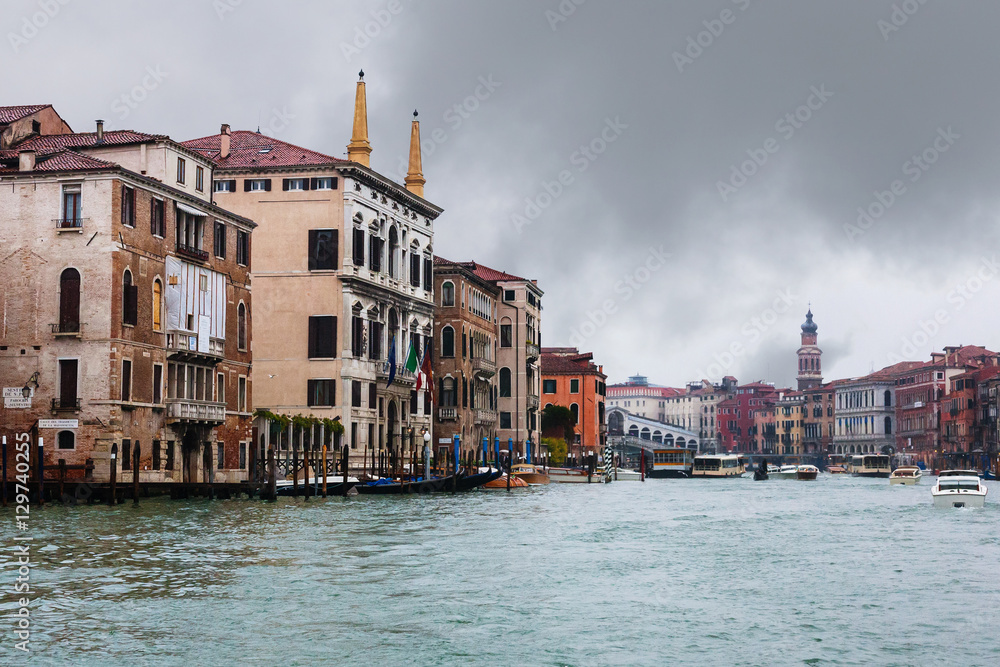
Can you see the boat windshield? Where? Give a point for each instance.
(956, 485)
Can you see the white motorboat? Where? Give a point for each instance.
(571, 476)
(959, 488)
(785, 472)
(806, 472)
(907, 475)
(625, 475)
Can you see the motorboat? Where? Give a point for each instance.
(625, 475)
(907, 475)
(870, 465)
(959, 488)
(718, 465)
(569, 475)
(806, 472)
(500, 483)
(785, 472)
(671, 463)
(837, 470)
(531, 474)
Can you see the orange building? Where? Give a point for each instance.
(573, 380)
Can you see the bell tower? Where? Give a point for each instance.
(810, 356)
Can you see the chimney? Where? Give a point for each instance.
(360, 150)
(100, 131)
(415, 176)
(224, 137)
(26, 161)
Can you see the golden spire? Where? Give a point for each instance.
(359, 149)
(415, 177)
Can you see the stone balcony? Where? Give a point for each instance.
(403, 376)
(184, 346)
(532, 402)
(484, 367)
(189, 410)
(532, 351)
(485, 417)
(447, 414)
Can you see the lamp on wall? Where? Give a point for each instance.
(30, 385)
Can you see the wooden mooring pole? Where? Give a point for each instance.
(114, 474)
(272, 471)
(295, 471)
(41, 472)
(4, 454)
(346, 462)
(324, 470)
(135, 475)
(305, 472)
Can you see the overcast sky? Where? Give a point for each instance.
(661, 231)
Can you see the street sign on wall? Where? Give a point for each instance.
(19, 403)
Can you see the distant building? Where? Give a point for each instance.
(696, 409)
(818, 419)
(118, 317)
(789, 423)
(736, 415)
(465, 362)
(572, 379)
(865, 413)
(641, 398)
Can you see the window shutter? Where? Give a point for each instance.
(441, 391)
(131, 304)
(232, 185)
(305, 183)
(313, 183)
(313, 335)
(333, 184)
(267, 185)
(246, 185)
(284, 184)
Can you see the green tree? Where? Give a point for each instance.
(557, 450)
(557, 421)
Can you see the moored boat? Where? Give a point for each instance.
(870, 465)
(625, 475)
(807, 472)
(531, 474)
(907, 475)
(718, 466)
(837, 470)
(569, 475)
(959, 488)
(674, 462)
(334, 486)
(501, 483)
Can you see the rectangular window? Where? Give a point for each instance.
(548, 386)
(199, 179)
(322, 393)
(128, 206)
(225, 186)
(359, 247)
(220, 388)
(508, 295)
(371, 435)
(323, 249)
(71, 212)
(126, 380)
(242, 248)
(372, 395)
(574, 386)
(241, 390)
(181, 167)
(355, 393)
(358, 337)
(375, 340)
(190, 234)
(294, 184)
(170, 456)
(413, 402)
(428, 274)
(157, 384)
(506, 335)
(156, 455)
(505, 420)
(220, 462)
(220, 239)
(323, 183)
(427, 402)
(257, 185)
(157, 226)
(415, 270)
(374, 253)
(125, 454)
(322, 337)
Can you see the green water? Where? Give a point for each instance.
(841, 571)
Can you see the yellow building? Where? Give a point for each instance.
(789, 413)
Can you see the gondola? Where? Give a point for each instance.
(383, 487)
(467, 483)
(286, 487)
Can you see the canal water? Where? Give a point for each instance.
(841, 571)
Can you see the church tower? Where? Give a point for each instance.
(810, 369)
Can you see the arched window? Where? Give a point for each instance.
(887, 398)
(66, 440)
(393, 252)
(241, 327)
(575, 409)
(644, 434)
(448, 294)
(505, 382)
(616, 422)
(448, 397)
(657, 436)
(633, 431)
(157, 305)
(130, 300)
(69, 301)
(682, 443)
(447, 342)
(669, 440)
(888, 425)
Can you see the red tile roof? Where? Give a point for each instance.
(10, 114)
(64, 160)
(52, 142)
(484, 272)
(245, 152)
